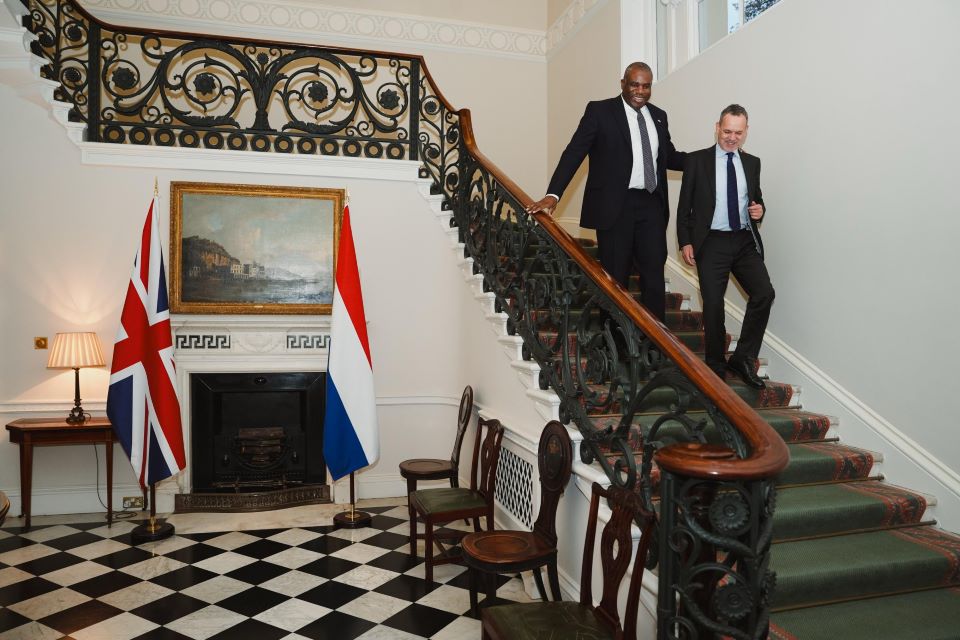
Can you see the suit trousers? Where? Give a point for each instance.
(638, 240)
(723, 253)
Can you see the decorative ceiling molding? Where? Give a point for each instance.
(570, 21)
(294, 21)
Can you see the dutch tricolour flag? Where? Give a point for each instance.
(142, 399)
(350, 435)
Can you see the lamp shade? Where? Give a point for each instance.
(75, 350)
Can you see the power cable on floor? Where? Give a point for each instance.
(117, 515)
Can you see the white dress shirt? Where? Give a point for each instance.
(636, 173)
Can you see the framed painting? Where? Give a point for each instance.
(237, 248)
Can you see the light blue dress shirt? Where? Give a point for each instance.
(720, 220)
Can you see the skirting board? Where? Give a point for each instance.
(899, 442)
(72, 499)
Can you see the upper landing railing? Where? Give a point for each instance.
(599, 350)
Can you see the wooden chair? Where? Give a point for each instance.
(435, 507)
(488, 553)
(417, 469)
(560, 620)
(4, 507)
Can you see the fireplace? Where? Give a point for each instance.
(253, 436)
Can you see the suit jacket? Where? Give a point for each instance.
(698, 196)
(604, 135)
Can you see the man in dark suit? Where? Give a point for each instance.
(625, 200)
(718, 219)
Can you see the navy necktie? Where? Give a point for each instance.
(649, 176)
(733, 200)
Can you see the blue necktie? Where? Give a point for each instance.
(733, 200)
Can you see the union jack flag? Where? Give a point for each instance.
(142, 400)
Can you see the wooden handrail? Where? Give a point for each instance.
(768, 452)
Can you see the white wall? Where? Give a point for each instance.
(585, 66)
(851, 111)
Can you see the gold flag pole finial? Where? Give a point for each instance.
(156, 186)
(347, 195)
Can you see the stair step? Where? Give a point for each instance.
(790, 424)
(834, 508)
(923, 615)
(855, 566)
(775, 395)
(826, 461)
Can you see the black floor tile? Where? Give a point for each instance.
(463, 580)
(261, 549)
(252, 601)
(420, 620)
(162, 633)
(407, 588)
(73, 540)
(328, 567)
(325, 544)
(184, 577)
(336, 625)
(398, 561)
(251, 630)
(386, 522)
(104, 584)
(48, 564)
(16, 542)
(326, 528)
(11, 620)
(24, 590)
(79, 617)
(169, 608)
(387, 540)
(201, 537)
(332, 594)
(194, 553)
(124, 558)
(257, 572)
(265, 533)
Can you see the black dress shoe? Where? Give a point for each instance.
(747, 371)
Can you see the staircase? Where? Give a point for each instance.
(853, 554)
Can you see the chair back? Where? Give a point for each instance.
(554, 462)
(486, 457)
(616, 547)
(463, 421)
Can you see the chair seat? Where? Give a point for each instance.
(499, 551)
(539, 620)
(4, 506)
(447, 499)
(426, 469)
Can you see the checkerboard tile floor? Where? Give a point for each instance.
(86, 582)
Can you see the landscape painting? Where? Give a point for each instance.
(253, 249)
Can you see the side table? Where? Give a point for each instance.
(44, 432)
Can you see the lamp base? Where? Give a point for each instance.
(77, 415)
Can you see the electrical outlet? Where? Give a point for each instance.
(133, 502)
(40, 342)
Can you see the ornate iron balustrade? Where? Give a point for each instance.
(597, 348)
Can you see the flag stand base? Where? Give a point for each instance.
(151, 531)
(352, 519)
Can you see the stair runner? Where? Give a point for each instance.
(854, 556)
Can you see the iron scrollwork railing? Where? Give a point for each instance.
(632, 390)
(175, 89)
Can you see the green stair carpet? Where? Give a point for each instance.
(853, 555)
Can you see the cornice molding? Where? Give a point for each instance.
(290, 20)
(578, 14)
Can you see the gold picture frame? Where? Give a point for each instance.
(253, 249)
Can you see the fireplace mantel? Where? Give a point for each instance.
(239, 344)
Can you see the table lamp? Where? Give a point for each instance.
(74, 351)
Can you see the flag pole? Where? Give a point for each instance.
(152, 529)
(352, 519)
